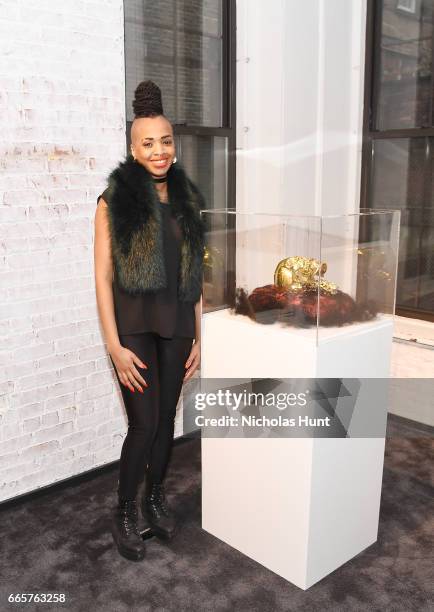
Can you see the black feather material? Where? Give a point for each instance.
(136, 232)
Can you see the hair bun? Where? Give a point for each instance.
(147, 100)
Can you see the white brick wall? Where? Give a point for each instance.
(62, 119)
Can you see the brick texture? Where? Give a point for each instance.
(62, 118)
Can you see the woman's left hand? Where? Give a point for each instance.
(193, 360)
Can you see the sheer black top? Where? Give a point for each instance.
(158, 311)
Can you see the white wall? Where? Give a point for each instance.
(413, 370)
(300, 68)
(260, 65)
(63, 127)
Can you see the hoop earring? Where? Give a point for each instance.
(174, 160)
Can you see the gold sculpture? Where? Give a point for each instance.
(373, 264)
(212, 257)
(297, 274)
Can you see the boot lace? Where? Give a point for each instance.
(158, 500)
(129, 517)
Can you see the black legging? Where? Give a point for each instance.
(151, 414)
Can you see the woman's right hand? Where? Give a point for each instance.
(125, 362)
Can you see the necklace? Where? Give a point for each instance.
(160, 180)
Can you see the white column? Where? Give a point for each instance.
(300, 69)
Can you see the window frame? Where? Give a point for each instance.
(228, 128)
(370, 134)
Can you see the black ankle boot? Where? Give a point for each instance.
(125, 531)
(157, 512)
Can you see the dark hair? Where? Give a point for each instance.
(147, 100)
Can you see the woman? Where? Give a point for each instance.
(148, 274)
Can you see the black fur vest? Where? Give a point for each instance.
(136, 232)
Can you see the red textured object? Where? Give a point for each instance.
(333, 309)
(242, 304)
(300, 309)
(268, 297)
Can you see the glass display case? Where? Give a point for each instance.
(314, 273)
(311, 279)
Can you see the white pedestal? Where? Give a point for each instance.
(299, 506)
(234, 346)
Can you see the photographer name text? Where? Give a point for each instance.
(261, 421)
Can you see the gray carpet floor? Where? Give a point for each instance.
(59, 542)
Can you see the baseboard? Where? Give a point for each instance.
(78, 479)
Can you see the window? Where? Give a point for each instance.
(188, 48)
(398, 148)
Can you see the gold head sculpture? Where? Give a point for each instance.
(299, 274)
(211, 256)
